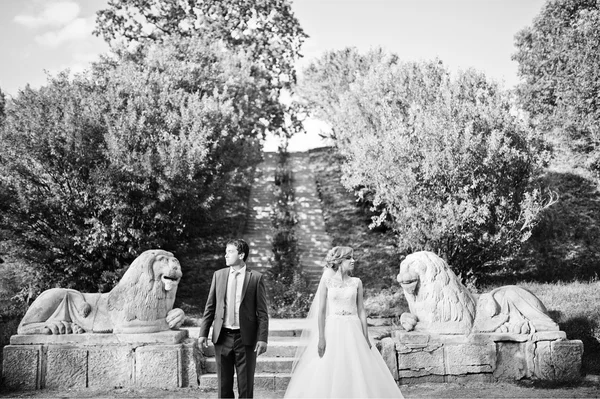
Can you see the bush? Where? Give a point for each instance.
(386, 303)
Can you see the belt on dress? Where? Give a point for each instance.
(230, 331)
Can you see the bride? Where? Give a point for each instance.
(336, 358)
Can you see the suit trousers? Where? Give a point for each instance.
(231, 354)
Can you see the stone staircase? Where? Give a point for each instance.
(273, 368)
(313, 240)
(259, 230)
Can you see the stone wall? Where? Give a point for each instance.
(165, 359)
(415, 357)
(8, 328)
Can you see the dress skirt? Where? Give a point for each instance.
(348, 369)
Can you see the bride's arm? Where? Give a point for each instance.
(362, 313)
(321, 318)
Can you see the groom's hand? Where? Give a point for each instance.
(261, 347)
(202, 343)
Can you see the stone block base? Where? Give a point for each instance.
(421, 357)
(166, 359)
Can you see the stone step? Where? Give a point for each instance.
(258, 242)
(312, 259)
(259, 231)
(258, 266)
(260, 222)
(312, 267)
(256, 258)
(261, 251)
(312, 239)
(263, 364)
(255, 243)
(313, 242)
(312, 273)
(262, 235)
(314, 254)
(277, 335)
(265, 381)
(277, 347)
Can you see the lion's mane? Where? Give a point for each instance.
(139, 295)
(441, 301)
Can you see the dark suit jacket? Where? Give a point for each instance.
(254, 319)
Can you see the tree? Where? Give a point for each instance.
(132, 156)
(2, 107)
(442, 157)
(4, 193)
(265, 29)
(558, 58)
(331, 77)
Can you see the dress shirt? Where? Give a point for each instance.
(238, 297)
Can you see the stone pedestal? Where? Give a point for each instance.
(422, 357)
(165, 359)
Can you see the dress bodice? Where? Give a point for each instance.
(341, 296)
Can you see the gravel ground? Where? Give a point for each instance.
(590, 388)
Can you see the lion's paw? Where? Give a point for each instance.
(175, 318)
(77, 329)
(63, 327)
(408, 321)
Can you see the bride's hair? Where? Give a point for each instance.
(336, 255)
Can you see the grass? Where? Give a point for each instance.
(575, 306)
(565, 246)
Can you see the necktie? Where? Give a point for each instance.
(231, 300)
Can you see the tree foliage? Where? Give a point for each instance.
(265, 29)
(558, 58)
(133, 155)
(2, 106)
(442, 157)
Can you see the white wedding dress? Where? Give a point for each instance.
(348, 369)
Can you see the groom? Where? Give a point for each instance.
(237, 309)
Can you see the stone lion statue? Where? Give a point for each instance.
(437, 300)
(142, 302)
(440, 303)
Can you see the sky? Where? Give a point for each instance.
(47, 36)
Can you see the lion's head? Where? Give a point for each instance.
(441, 303)
(147, 290)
